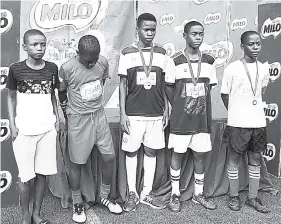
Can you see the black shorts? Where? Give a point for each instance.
(241, 140)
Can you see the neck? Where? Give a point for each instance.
(144, 45)
(193, 52)
(249, 59)
(34, 62)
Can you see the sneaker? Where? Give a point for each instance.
(202, 200)
(175, 204)
(257, 204)
(79, 215)
(234, 203)
(152, 202)
(131, 202)
(112, 206)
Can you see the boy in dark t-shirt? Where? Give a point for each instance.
(188, 90)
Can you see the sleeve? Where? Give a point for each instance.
(106, 70)
(266, 73)
(213, 76)
(123, 65)
(11, 80)
(62, 79)
(170, 71)
(56, 81)
(226, 81)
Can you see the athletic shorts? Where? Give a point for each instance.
(36, 154)
(243, 139)
(85, 131)
(148, 132)
(200, 142)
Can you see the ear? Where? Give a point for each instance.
(24, 47)
(77, 52)
(242, 46)
(184, 36)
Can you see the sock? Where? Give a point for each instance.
(76, 196)
(149, 165)
(175, 179)
(104, 190)
(233, 177)
(254, 181)
(198, 183)
(131, 169)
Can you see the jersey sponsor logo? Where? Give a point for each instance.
(271, 28)
(5, 129)
(199, 2)
(221, 51)
(91, 91)
(271, 111)
(180, 28)
(274, 71)
(5, 181)
(212, 18)
(167, 19)
(170, 49)
(239, 24)
(146, 81)
(4, 77)
(6, 20)
(270, 152)
(49, 15)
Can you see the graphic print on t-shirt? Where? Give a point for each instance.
(146, 81)
(91, 91)
(35, 86)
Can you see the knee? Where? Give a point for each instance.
(149, 152)
(109, 158)
(254, 159)
(198, 157)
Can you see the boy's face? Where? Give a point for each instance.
(194, 37)
(35, 46)
(252, 46)
(146, 32)
(88, 60)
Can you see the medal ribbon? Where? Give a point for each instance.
(147, 70)
(194, 81)
(249, 77)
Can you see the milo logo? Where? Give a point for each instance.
(5, 181)
(269, 152)
(49, 15)
(6, 20)
(4, 77)
(271, 28)
(271, 111)
(5, 129)
(274, 71)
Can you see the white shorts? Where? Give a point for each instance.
(148, 132)
(200, 142)
(36, 154)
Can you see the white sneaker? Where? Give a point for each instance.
(79, 215)
(112, 206)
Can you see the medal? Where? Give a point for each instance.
(146, 69)
(254, 90)
(195, 94)
(194, 81)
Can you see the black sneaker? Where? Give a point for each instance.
(175, 204)
(131, 202)
(112, 206)
(152, 201)
(79, 215)
(234, 203)
(202, 200)
(257, 205)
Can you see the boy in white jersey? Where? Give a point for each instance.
(188, 90)
(34, 121)
(243, 84)
(143, 108)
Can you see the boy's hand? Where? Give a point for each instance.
(125, 123)
(14, 132)
(165, 119)
(57, 125)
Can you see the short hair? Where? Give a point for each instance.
(89, 44)
(190, 24)
(145, 17)
(246, 34)
(32, 32)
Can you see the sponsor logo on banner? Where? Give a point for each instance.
(256, 20)
(239, 24)
(5, 181)
(5, 129)
(49, 15)
(4, 77)
(271, 111)
(167, 19)
(269, 152)
(271, 28)
(212, 18)
(275, 71)
(222, 51)
(6, 20)
(170, 49)
(199, 2)
(180, 28)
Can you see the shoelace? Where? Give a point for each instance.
(148, 199)
(132, 197)
(78, 209)
(175, 199)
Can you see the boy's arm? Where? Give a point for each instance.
(226, 86)
(169, 89)
(125, 123)
(225, 99)
(12, 103)
(166, 109)
(62, 92)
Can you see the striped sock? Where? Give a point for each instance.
(254, 181)
(175, 179)
(198, 183)
(233, 177)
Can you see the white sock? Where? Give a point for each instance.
(198, 183)
(131, 168)
(149, 165)
(175, 179)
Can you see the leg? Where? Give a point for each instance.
(175, 170)
(232, 172)
(199, 172)
(24, 192)
(39, 189)
(254, 173)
